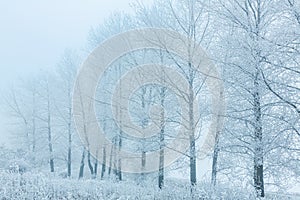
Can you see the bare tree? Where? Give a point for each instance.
(67, 69)
(253, 62)
(183, 17)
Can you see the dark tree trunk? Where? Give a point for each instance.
(143, 163)
(115, 168)
(193, 179)
(214, 165)
(103, 163)
(81, 169)
(96, 165)
(259, 180)
(90, 164)
(119, 159)
(52, 164)
(69, 162)
(161, 165)
(110, 160)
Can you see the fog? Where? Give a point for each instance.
(34, 34)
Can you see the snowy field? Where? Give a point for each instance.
(40, 186)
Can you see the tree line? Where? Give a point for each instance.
(255, 45)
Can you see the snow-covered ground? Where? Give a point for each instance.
(41, 186)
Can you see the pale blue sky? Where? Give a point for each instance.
(34, 34)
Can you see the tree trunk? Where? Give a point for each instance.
(69, 144)
(103, 163)
(69, 154)
(110, 160)
(96, 165)
(161, 162)
(161, 140)
(216, 146)
(115, 169)
(51, 160)
(214, 165)
(258, 151)
(52, 164)
(81, 169)
(119, 158)
(119, 167)
(143, 162)
(144, 124)
(193, 179)
(193, 174)
(90, 164)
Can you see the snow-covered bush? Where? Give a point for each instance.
(18, 166)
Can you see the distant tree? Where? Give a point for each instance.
(67, 69)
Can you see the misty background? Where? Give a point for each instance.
(34, 35)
